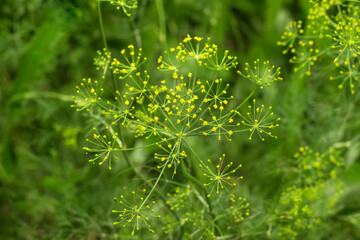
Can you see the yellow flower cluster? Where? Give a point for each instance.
(182, 105)
(105, 147)
(124, 5)
(298, 208)
(135, 212)
(89, 94)
(262, 75)
(129, 64)
(219, 175)
(190, 99)
(205, 53)
(334, 20)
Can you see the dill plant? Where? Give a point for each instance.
(190, 99)
(304, 204)
(323, 46)
(330, 36)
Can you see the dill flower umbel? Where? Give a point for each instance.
(219, 175)
(89, 93)
(257, 120)
(105, 147)
(262, 75)
(129, 64)
(135, 212)
(103, 59)
(185, 103)
(124, 5)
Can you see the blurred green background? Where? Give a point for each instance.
(48, 190)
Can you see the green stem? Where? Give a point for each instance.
(189, 177)
(197, 182)
(30, 95)
(162, 22)
(102, 26)
(153, 187)
(105, 42)
(246, 99)
(158, 179)
(136, 33)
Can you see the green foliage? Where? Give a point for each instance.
(162, 121)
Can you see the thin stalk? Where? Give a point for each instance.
(136, 33)
(105, 42)
(102, 26)
(162, 21)
(31, 95)
(191, 178)
(197, 182)
(153, 187)
(248, 97)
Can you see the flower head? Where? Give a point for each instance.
(135, 212)
(261, 74)
(105, 147)
(89, 93)
(315, 166)
(239, 208)
(258, 120)
(129, 63)
(219, 175)
(124, 5)
(102, 61)
(290, 35)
